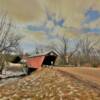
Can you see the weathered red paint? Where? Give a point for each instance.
(35, 62)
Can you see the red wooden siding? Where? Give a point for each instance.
(35, 62)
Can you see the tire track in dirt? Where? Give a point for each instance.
(80, 79)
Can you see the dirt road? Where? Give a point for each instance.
(91, 75)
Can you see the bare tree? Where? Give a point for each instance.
(87, 50)
(64, 50)
(9, 42)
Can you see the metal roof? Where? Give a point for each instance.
(44, 53)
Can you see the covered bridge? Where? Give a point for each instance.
(39, 60)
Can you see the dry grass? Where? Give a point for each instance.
(86, 73)
(49, 84)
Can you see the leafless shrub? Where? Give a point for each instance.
(87, 52)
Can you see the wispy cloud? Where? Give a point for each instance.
(95, 31)
(57, 20)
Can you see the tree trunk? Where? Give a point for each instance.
(1, 69)
(67, 60)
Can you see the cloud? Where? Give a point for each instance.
(33, 10)
(22, 10)
(42, 20)
(95, 31)
(56, 20)
(35, 37)
(48, 26)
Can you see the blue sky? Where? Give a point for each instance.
(91, 15)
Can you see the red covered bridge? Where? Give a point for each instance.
(39, 60)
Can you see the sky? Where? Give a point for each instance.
(40, 21)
